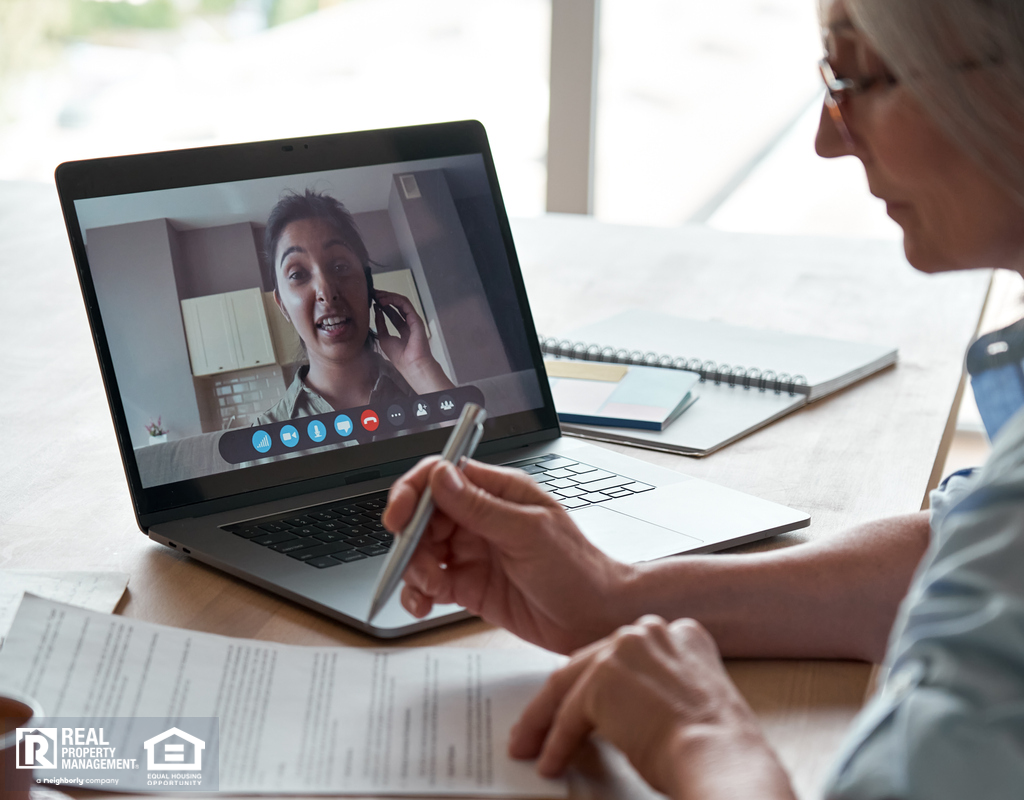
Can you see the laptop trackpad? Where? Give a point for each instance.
(629, 539)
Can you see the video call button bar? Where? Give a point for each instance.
(363, 425)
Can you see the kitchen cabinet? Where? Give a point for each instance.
(227, 331)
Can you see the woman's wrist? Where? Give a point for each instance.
(723, 760)
(425, 375)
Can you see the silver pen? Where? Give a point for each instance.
(461, 444)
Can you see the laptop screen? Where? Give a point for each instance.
(339, 317)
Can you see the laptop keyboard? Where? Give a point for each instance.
(325, 535)
(336, 533)
(575, 485)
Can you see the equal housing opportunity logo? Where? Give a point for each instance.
(129, 753)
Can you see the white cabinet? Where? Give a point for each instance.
(227, 331)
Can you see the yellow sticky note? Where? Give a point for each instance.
(585, 370)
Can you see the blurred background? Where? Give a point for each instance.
(705, 111)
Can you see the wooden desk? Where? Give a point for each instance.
(866, 453)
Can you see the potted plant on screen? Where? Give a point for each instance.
(156, 431)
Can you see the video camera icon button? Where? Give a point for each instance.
(343, 424)
(369, 419)
(289, 436)
(261, 441)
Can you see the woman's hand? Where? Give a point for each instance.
(660, 693)
(410, 350)
(505, 549)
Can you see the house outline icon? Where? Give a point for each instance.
(168, 762)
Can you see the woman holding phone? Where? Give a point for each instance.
(323, 286)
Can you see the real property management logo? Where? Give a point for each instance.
(137, 753)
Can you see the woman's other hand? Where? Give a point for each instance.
(409, 351)
(505, 549)
(659, 692)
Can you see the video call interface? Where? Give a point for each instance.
(268, 319)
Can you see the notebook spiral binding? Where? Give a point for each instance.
(745, 377)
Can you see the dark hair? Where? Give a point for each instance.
(294, 207)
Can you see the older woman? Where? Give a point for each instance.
(929, 96)
(324, 287)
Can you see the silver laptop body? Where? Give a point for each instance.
(167, 249)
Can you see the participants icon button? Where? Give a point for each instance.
(289, 436)
(261, 441)
(343, 424)
(317, 431)
(396, 415)
(447, 405)
(369, 419)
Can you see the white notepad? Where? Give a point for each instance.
(750, 376)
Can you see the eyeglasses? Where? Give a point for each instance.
(838, 92)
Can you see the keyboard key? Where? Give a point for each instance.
(327, 536)
(248, 533)
(560, 473)
(559, 463)
(373, 526)
(320, 516)
(581, 468)
(561, 483)
(322, 550)
(273, 527)
(351, 555)
(322, 562)
(618, 492)
(571, 491)
(290, 545)
(607, 483)
(295, 522)
(596, 475)
(353, 519)
(308, 530)
(373, 550)
(594, 497)
(373, 505)
(383, 536)
(330, 525)
(532, 469)
(362, 541)
(638, 487)
(542, 477)
(574, 502)
(273, 538)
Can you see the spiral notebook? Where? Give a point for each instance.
(750, 377)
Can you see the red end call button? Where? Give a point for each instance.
(369, 419)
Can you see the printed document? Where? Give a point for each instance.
(98, 591)
(309, 720)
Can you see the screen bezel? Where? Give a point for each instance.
(79, 180)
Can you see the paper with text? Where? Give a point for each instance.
(311, 720)
(97, 591)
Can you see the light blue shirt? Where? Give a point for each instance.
(948, 721)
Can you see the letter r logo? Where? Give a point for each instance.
(37, 748)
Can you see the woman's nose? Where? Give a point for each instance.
(325, 288)
(829, 143)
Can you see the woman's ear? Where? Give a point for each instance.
(280, 305)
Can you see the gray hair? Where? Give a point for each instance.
(964, 62)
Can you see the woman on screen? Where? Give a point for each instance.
(324, 287)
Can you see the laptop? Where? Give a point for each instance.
(261, 408)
